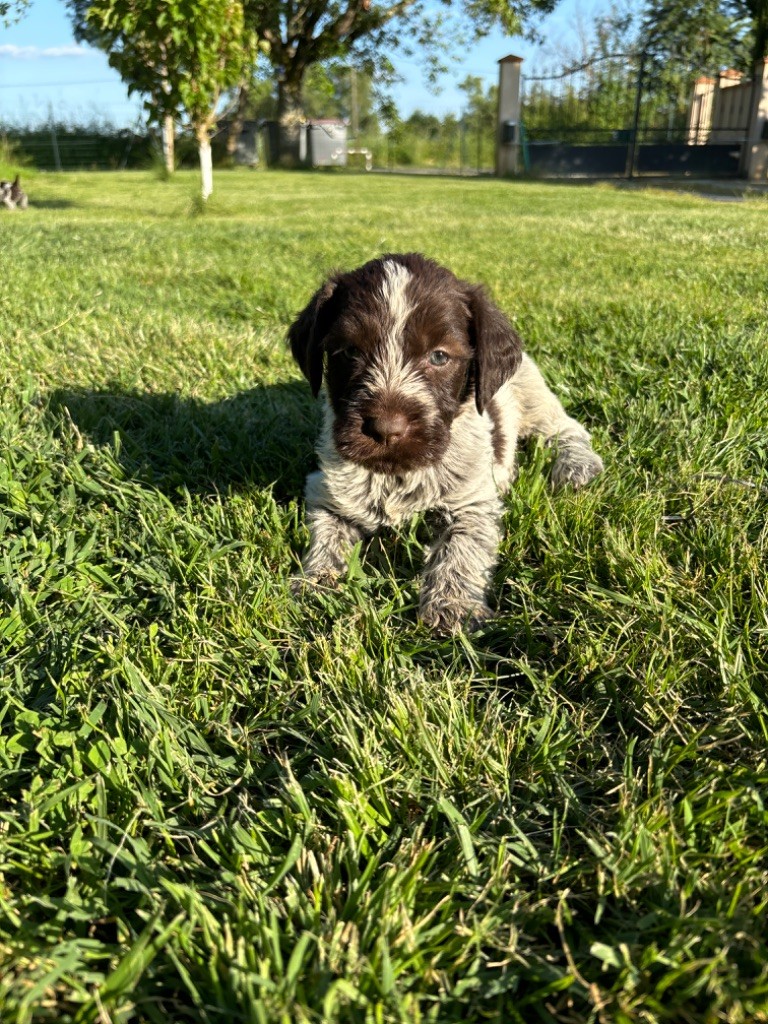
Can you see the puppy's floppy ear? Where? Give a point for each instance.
(498, 349)
(307, 331)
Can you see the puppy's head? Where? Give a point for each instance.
(406, 345)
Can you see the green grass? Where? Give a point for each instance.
(221, 804)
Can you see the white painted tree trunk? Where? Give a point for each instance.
(169, 157)
(206, 164)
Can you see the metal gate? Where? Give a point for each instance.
(610, 118)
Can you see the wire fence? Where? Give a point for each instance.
(465, 146)
(57, 148)
(454, 145)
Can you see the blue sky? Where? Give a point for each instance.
(44, 71)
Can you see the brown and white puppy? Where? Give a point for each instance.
(427, 391)
(12, 195)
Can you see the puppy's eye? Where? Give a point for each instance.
(347, 351)
(438, 357)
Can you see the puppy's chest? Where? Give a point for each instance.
(374, 499)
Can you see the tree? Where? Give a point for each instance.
(704, 34)
(479, 120)
(334, 89)
(331, 89)
(182, 56)
(148, 73)
(367, 33)
(757, 12)
(481, 101)
(12, 10)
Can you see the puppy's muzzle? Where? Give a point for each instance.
(386, 426)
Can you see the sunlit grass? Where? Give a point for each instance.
(219, 803)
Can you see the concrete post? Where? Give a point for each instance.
(700, 111)
(508, 153)
(757, 138)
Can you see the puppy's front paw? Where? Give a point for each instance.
(448, 617)
(575, 466)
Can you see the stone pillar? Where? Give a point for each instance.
(508, 154)
(757, 137)
(700, 111)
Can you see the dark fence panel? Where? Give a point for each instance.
(563, 160)
(715, 161)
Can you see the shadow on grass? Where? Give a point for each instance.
(262, 437)
(723, 189)
(51, 204)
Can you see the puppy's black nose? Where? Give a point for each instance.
(386, 427)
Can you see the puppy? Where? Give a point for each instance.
(12, 195)
(427, 392)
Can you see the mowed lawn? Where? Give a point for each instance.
(222, 803)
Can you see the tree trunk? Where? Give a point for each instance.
(760, 31)
(289, 88)
(290, 117)
(237, 122)
(169, 155)
(206, 163)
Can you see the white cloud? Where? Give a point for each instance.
(39, 52)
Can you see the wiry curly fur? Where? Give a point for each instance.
(427, 392)
(12, 195)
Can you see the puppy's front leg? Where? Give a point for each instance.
(331, 540)
(543, 415)
(459, 568)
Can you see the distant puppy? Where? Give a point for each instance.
(12, 195)
(427, 393)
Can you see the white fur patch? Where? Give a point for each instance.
(398, 306)
(389, 373)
